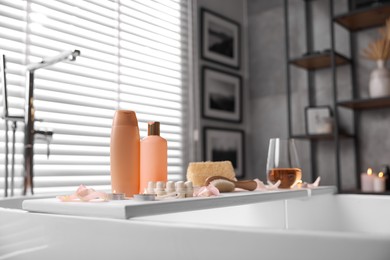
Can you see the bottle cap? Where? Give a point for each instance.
(170, 187)
(151, 187)
(188, 185)
(125, 118)
(179, 186)
(160, 185)
(153, 128)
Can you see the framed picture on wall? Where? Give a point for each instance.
(221, 95)
(220, 39)
(319, 120)
(221, 144)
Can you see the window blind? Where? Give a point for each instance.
(134, 55)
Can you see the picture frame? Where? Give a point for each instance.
(319, 120)
(221, 144)
(221, 95)
(220, 39)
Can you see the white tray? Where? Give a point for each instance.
(124, 209)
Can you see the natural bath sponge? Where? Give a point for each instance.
(198, 172)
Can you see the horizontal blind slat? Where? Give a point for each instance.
(77, 41)
(88, 51)
(21, 5)
(73, 20)
(71, 9)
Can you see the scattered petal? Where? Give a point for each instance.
(206, 191)
(306, 185)
(260, 185)
(84, 194)
(270, 186)
(316, 183)
(67, 198)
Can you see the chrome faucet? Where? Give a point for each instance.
(29, 114)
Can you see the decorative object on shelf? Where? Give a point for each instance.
(379, 184)
(220, 39)
(379, 51)
(371, 182)
(379, 81)
(367, 180)
(222, 144)
(319, 120)
(311, 53)
(221, 95)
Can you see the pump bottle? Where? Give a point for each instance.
(154, 150)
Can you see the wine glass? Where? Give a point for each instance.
(283, 163)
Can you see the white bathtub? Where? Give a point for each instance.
(319, 227)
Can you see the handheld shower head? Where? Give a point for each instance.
(73, 55)
(66, 55)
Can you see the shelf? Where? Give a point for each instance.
(314, 137)
(321, 136)
(364, 18)
(319, 61)
(368, 103)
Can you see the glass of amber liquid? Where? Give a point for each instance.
(283, 163)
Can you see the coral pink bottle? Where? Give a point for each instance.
(154, 150)
(125, 153)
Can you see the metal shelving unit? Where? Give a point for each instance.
(328, 59)
(353, 22)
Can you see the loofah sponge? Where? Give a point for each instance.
(198, 172)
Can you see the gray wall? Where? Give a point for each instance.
(267, 81)
(235, 10)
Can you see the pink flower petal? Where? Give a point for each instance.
(207, 191)
(84, 194)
